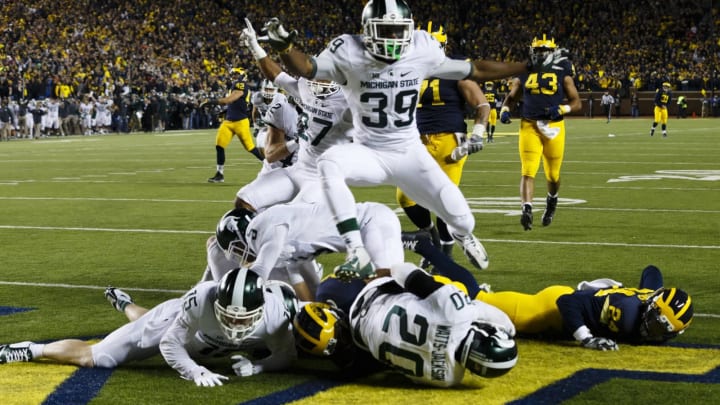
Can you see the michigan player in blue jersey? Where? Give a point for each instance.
(596, 313)
(236, 123)
(542, 129)
(492, 98)
(663, 96)
(441, 122)
(601, 312)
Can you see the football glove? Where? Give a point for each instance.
(459, 152)
(250, 40)
(505, 115)
(206, 378)
(243, 366)
(278, 37)
(475, 143)
(557, 111)
(599, 343)
(553, 60)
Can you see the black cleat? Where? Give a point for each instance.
(217, 178)
(550, 205)
(15, 352)
(526, 218)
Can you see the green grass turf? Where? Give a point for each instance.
(134, 211)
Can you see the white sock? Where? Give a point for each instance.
(36, 349)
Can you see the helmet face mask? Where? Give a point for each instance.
(487, 351)
(268, 90)
(239, 304)
(322, 88)
(669, 312)
(387, 28)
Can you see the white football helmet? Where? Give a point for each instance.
(239, 303)
(268, 89)
(387, 28)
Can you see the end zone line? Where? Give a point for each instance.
(89, 287)
(97, 287)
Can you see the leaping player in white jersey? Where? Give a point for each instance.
(240, 312)
(381, 72)
(324, 122)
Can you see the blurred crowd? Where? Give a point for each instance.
(156, 48)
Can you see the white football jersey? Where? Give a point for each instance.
(281, 115)
(383, 97)
(327, 120)
(196, 333)
(419, 336)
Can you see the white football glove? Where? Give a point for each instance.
(206, 378)
(250, 40)
(459, 152)
(599, 343)
(243, 366)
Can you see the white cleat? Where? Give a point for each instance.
(474, 250)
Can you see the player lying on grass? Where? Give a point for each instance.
(597, 313)
(429, 331)
(214, 319)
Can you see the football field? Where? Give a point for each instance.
(134, 211)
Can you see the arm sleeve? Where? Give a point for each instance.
(271, 246)
(571, 307)
(414, 279)
(282, 352)
(287, 82)
(453, 69)
(172, 347)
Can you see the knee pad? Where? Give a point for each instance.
(104, 360)
(459, 215)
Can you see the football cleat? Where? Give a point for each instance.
(118, 298)
(15, 352)
(473, 250)
(526, 219)
(357, 266)
(550, 205)
(217, 178)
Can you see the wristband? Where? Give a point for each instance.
(257, 51)
(478, 130)
(582, 333)
(504, 109)
(564, 108)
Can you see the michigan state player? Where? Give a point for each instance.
(381, 71)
